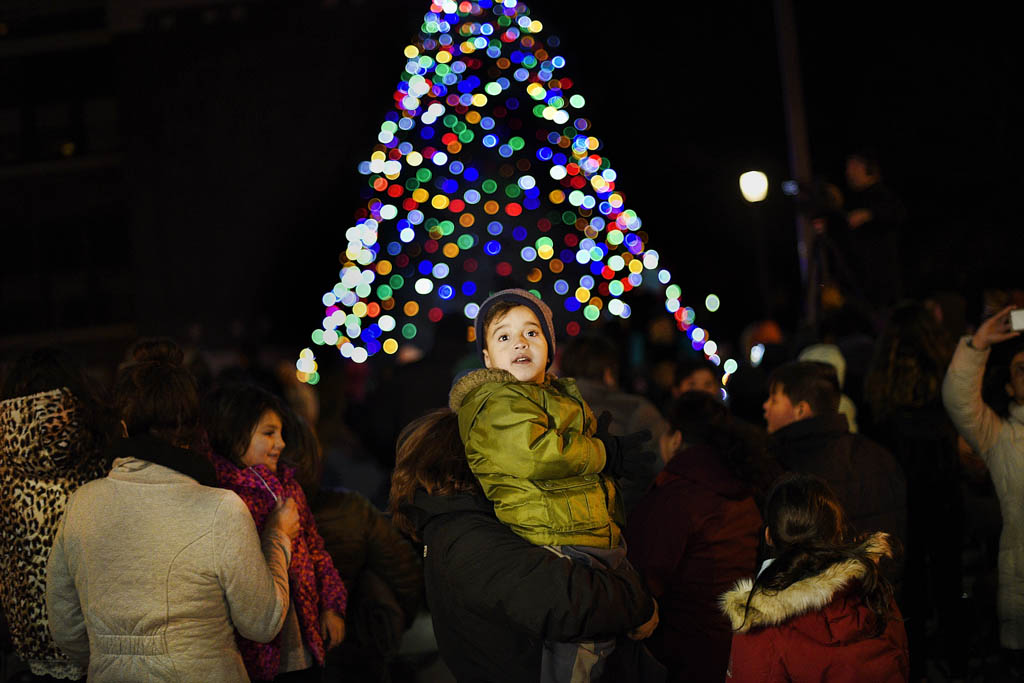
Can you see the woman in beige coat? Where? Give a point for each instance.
(151, 570)
(999, 441)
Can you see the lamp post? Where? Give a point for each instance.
(754, 188)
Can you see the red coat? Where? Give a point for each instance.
(691, 537)
(817, 629)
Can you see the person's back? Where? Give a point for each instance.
(691, 537)
(819, 608)
(151, 569)
(696, 532)
(819, 634)
(152, 581)
(865, 476)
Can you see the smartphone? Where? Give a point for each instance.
(1017, 320)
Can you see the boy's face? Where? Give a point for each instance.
(780, 412)
(515, 342)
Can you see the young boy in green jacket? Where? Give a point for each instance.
(540, 456)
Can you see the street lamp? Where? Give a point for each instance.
(754, 186)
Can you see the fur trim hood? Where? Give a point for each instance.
(469, 381)
(807, 595)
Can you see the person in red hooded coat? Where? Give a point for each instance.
(819, 609)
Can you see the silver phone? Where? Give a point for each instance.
(1017, 319)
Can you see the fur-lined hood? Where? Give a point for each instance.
(772, 608)
(475, 378)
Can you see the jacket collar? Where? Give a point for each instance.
(255, 476)
(159, 452)
(425, 507)
(803, 596)
(469, 381)
(817, 426)
(1017, 412)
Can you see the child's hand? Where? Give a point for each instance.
(645, 630)
(332, 629)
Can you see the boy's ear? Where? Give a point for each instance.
(487, 359)
(803, 410)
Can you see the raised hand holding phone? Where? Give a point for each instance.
(997, 329)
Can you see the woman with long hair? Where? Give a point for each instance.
(819, 609)
(493, 596)
(905, 414)
(152, 571)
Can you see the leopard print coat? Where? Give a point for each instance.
(45, 454)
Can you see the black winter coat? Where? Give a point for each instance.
(864, 475)
(494, 597)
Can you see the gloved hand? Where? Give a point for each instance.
(619, 449)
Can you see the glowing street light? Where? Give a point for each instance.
(754, 186)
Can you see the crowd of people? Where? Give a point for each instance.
(821, 516)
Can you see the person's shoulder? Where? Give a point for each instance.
(219, 502)
(476, 385)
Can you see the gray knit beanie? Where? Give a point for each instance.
(520, 297)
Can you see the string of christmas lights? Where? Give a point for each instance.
(487, 165)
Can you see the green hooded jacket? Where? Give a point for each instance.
(533, 450)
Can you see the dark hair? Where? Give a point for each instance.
(155, 395)
(997, 374)
(429, 455)
(703, 420)
(231, 413)
(811, 381)
(46, 369)
(869, 157)
(909, 362)
(588, 356)
(498, 309)
(302, 450)
(688, 366)
(808, 532)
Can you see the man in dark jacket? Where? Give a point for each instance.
(809, 435)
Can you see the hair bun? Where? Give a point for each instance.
(156, 350)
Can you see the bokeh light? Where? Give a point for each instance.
(487, 165)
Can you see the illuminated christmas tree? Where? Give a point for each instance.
(486, 167)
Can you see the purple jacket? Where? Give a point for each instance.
(313, 581)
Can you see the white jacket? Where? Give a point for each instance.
(150, 574)
(1000, 443)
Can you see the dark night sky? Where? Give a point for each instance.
(241, 140)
